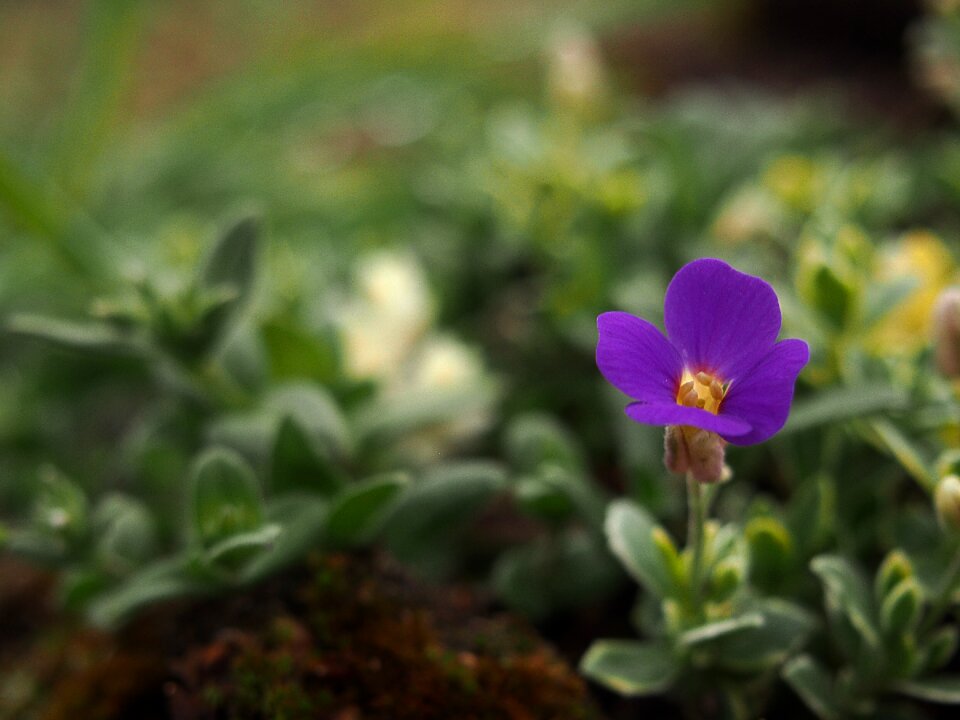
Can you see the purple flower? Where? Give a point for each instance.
(721, 370)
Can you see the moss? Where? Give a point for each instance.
(348, 637)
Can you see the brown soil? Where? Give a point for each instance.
(345, 638)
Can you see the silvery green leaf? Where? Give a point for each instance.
(224, 497)
(555, 572)
(358, 511)
(901, 608)
(844, 403)
(313, 408)
(86, 337)
(386, 418)
(631, 668)
(241, 546)
(125, 532)
(302, 520)
(850, 591)
(814, 686)
(943, 689)
(297, 464)
(172, 577)
(61, 508)
(629, 530)
(785, 629)
(535, 439)
(232, 261)
(720, 628)
(432, 511)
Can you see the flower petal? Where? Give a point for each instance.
(672, 414)
(636, 358)
(721, 320)
(763, 395)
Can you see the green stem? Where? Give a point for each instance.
(695, 536)
(941, 603)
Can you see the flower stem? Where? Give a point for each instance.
(695, 539)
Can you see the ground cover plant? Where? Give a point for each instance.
(436, 360)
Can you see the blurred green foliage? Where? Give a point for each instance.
(342, 290)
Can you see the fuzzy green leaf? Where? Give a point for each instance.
(846, 585)
(358, 511)
(846, 403)
(785, 629)
(233, 259)
(93, 338)
(298, 465)
(814, 686)
(631, 668)
(431, 512)
(224, 497)
(944, 689)
(630, 531)
(900, 611)
(720, 628)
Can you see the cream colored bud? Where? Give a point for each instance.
(946, 332)
(576, 76)
(946, 498)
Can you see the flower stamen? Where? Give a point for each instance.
(701, 390)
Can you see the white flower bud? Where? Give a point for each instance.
(946, 498)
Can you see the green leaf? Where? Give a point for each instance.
(233, 259)
(386, 418)
(298, 465)
(900, 611)
(296, 354)
(357, 513)
(720, 628)
(771, 552)
(315, 411)
(941, 647)
(170, 578)
(814, 686)
(895, 568)
(555, 572)
(844, 403)
(302, 520)
(910, 457)
(630, 531)
(553, 494)
(631, 668)
(93, 338)
(224, 497)
(832, 297)
(846, 586)
(533, 440)
(944, 689)
(61, 509)
(784, 631)
(125, 532)
(238, 548)
(431, 512)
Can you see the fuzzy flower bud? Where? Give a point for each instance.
(698, 452)
(946, 498)
(946, 332)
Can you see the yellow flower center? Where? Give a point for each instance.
(701, 390)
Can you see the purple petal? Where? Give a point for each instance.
(672, 414)
(763, 395)
(637, 359)
(721, 320)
